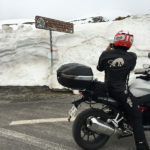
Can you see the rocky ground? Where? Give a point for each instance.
(29, 93)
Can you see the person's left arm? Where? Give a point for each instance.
(101, 65)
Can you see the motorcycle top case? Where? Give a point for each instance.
(75, 76)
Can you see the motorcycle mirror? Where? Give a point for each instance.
(148, 55)
(146, 66)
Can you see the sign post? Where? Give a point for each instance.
(51, 47)
(53, 25)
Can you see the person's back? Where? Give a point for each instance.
(117, 64)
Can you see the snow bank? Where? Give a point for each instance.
(25, 54)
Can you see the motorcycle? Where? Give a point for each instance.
(93, 127)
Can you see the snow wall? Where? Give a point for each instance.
(25, 53)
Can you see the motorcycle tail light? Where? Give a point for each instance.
(143, 108)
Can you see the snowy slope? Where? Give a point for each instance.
(25, 54)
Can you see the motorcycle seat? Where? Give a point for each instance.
(108, 101)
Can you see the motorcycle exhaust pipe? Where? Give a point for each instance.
(102, 127)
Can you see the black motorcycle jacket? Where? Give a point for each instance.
(117, 64)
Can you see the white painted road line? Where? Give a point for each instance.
(36, 121)
(30, 140)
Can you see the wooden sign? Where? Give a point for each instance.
(53, 25)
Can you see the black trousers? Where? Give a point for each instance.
(135, 114)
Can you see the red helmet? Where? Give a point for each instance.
(123, 39)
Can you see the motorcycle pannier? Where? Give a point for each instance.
(75, 76)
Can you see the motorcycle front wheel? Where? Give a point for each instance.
(84, 137)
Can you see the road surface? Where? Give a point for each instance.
(42, 125)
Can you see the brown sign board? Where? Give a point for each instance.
(53, 25)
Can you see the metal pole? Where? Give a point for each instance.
(51, 50)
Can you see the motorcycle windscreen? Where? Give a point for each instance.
(75, 76)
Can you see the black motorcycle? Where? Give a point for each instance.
(93, 127)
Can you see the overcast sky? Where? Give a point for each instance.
(68, 10)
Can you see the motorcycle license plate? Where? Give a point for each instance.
(73, 111)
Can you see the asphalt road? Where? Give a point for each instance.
(40, 131)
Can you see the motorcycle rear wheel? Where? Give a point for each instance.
(84, 137)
